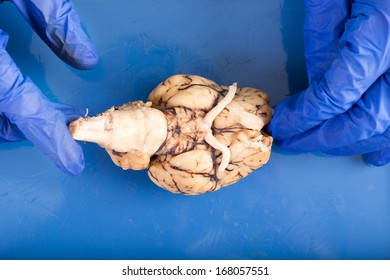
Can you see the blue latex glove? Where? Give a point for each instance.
(346, 109)
(25, 114)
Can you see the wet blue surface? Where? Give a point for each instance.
(299, 206)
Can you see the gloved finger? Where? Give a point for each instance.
(379, 158)
(10, 132)
(363, 56)
(324, 24)
(373, 144)
(23, 104)
(58, 25)
(70, 112)
(368, 117)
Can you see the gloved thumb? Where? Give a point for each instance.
(38, 120)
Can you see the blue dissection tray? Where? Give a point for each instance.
(299, 206)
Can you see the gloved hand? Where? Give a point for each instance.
(346, 109)
(25, 114)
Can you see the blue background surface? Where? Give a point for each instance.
(299, 206)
